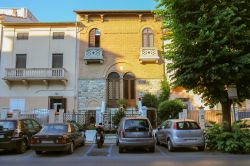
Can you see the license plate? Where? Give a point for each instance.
(1, 136)
(47, 142)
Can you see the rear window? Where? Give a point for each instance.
(57, 128)
(136, 125)
(7, 125)
(187, 125)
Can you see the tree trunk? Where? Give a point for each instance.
(226, 115)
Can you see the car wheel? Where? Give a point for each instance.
(170, 145)
(22, 148)
(71, 148)
(83, 142)
(38, 152)
(99, 144)
(201, 148)
(117, 142)
(152, 149)
(157, 140)
(120, 149)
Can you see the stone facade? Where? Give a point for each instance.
(152, 86)
(90, 94)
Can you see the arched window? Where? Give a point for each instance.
(147, 38)
(94, 38)
(113, 88)
(129, 88)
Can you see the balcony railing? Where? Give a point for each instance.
(93, 54)
(28, 74)
(149, 54)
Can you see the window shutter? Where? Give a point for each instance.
(92, 38)
(151, 40)
(21, 60)
(57, 61)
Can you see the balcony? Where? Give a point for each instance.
(149, 54)
(93, 54)
(26, 75)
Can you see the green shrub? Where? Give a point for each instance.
(165, 91)
(170, 109)
(118, 116)
(149, 100)
(236, 141)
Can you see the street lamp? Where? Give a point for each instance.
(232, 94)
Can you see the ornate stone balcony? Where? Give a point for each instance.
(149, 54)
(26, 75)
(93, 54)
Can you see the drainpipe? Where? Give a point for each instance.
(77, 61)
(1, 37)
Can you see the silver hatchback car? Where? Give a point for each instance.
(180, 133)
(135, 132)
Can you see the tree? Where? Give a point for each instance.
(149, 100)
(210, 48)
(170, 109)
(165, 88)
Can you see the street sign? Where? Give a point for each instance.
(232, 91)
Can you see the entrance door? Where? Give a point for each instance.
(57, 103)
(129, 89)
(113, 89)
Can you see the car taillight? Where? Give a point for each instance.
(61, 140)
(175, 125)
(122, 133)
(34, 140)
(17, 133)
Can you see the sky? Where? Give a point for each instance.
(62, 10)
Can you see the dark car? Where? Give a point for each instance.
(15, 134)
(135, 132)
(57, 137)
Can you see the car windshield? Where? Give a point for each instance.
(55, 128)
(7, 125)
(187, 125)
(135, 125)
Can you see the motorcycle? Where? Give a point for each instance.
(99, 136)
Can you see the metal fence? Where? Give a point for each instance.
(41, 115)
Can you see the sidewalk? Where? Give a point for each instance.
(90, 137)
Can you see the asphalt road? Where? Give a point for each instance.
(90, 155)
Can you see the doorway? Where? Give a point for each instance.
(129, 89)
(57, 103)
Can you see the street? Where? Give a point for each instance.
(108, 156)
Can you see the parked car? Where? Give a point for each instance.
(135, 132)
(57, 137)
(15, 134)
(180, 133)
(244, 123)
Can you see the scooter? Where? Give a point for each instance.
(99, 136)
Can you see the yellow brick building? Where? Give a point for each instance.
(119, 57)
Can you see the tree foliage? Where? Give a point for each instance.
(170, 109)
(165, 91)
(210, 47)
(118, 116)
(149, 100)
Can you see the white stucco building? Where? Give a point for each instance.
(37, 67)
